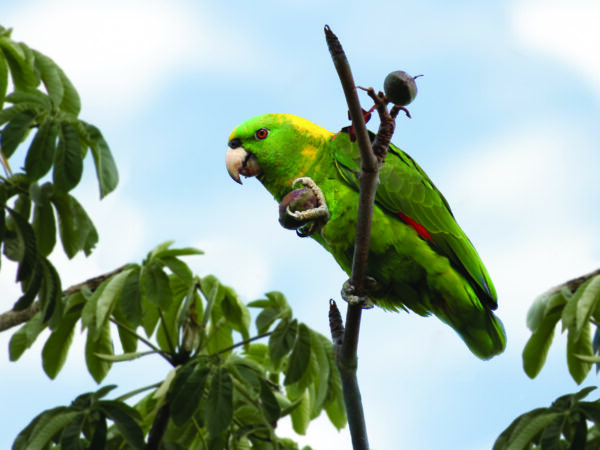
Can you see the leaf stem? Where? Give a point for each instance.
(142, 339)
(166, 331)
(239, 344)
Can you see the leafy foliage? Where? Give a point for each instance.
(578, 309)
(220, 393)
(43, 113)
(563, 425)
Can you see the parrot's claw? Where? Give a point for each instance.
(348, 295)
(320, 213)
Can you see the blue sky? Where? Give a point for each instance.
(505, 123)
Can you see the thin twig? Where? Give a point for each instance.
(144, 340)
(11, 319)
(159, 426)
(247, 341)
(346, 359)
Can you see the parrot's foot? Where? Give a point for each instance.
(317, 216)
(348, 294)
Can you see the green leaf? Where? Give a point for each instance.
(25, 336)
(235, 312)
(68, 161)
(32, 288)
(50, 76)
(70, 101)
(129, 341)
(582, 346)
(580, 435)
(130, 300)
(108, 296)
(150, 317)
(334, 406)
(15, 132)
(587, 304)
(530, 428)
(300, 357)
(187, 391)
(77, 232)
(265, 319)
(179, 268)
(50, 427)
(97, 367)
(44, 223)
(98, 439)
(538, 345)
(282, 339)
(40, 156)
(591, 411)
(71, 435)
(21, 72)
(50, 292)
(155, 285)
(301, 416)
(36, 99)
(176, 252)
(569, 315)
(3, 79)
(126, 420)
(106, 169)
(218, 410)
(124, 356)
(321, 349)
(88, 314)
(220, 337)
(56, 348)
(550, 439)
(269, 403)
(27, 236)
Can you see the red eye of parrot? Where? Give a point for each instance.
(261, 133)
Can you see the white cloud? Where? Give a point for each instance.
(565, 30)
(118, 53)
(523, 197)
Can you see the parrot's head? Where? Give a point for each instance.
(274, 148)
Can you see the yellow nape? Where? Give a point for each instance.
(312, 128)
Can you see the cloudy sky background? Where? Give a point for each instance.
(505, 123)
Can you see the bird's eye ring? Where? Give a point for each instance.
(261, 134)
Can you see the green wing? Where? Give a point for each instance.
(406, 191)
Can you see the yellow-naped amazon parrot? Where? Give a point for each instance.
(419, 257)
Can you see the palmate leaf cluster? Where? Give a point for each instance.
(570, 422)
(227, 389)
(578, 311)
(563, 425)
(40, 107)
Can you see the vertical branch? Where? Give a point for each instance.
(372, 157)
(346, 357)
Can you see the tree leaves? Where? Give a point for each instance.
(84, 420)
(562, 425)
(575, 311)
(219, 403)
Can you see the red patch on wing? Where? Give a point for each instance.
(420, 229)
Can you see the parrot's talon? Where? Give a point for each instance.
(347, 294)
(307, 230)
(321, 212)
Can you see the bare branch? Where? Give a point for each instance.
(12, 319)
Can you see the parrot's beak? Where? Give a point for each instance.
(240, 162)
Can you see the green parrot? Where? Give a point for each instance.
(419, 257)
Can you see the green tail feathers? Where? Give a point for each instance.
(482, 331)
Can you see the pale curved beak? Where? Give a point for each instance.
(240, 162)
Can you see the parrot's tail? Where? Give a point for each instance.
(477, 325)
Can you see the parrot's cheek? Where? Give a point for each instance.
(240, 162)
